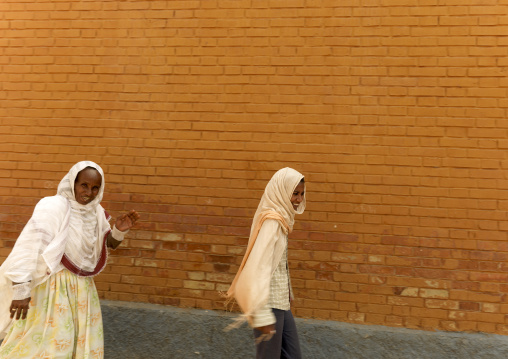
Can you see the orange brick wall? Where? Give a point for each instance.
(394, 110)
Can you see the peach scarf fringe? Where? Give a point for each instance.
(230, 295)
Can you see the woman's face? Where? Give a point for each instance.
(297, 196)
(87, 185)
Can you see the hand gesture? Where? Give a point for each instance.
(20, 308)
(267, 333)
(126, 221)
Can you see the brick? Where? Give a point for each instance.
(405, 301)
(356, 317)
(434, 293)
(198, 285)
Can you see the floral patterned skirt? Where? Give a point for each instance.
(64, 321)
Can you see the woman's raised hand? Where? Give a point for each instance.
(126, 221)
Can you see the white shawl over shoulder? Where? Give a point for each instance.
(39, 239)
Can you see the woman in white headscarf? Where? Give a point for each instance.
(262, 286)
(49, 307)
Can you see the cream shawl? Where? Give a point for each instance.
(58, 226)
(251, 285)
(87, 224)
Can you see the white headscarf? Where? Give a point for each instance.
(87, 224)
(250, 288)
(277, 197)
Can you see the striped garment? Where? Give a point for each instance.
(280, 291)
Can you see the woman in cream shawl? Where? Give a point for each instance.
(262, 286)
(49, 307)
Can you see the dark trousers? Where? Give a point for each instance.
(284, 343)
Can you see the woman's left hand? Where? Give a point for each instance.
(19, 308)
(126, 221)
